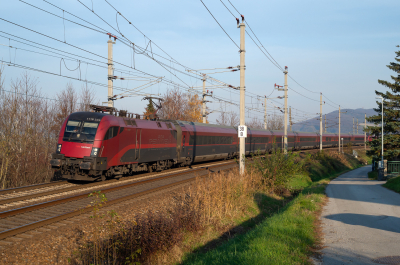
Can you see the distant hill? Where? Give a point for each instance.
(332, 120)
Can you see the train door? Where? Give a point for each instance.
(183, 146)
(110, 147)
(138, 144)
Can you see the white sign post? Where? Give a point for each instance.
(242, 131)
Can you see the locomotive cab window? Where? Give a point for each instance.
(111, 132)
(80, 131)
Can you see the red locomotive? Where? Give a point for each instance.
(97, 145)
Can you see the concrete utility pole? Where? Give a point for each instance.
(353, 125)
(320, 122)
(365, 132)
(339, 126)
(204, 98)
(325, 124)
(339, 129)
(357, 126)
(290, 118)
(242, 149)
(110, 70)
(265, 113)
(286, 112)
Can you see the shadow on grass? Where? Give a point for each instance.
(251, 243)
(267, 206)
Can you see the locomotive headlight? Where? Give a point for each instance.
(95, 152)
(58, 150)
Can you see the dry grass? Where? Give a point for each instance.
(209, 207)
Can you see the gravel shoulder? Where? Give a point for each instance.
(361, 221)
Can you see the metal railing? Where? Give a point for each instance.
(393, 166)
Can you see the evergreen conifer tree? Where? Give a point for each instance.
(391, 117)
(149, 110)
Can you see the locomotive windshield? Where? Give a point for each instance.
(80, 131)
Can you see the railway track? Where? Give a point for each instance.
(20, 220)
(24, 196)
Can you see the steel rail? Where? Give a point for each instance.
(50, 192)
(58, 218)
(84, 195)
(42, 194)
(32, 187)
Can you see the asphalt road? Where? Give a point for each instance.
(361, 221)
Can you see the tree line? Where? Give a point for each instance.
(178, 105)
(29, 128)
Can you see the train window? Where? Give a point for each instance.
(80, 131)
(121, 129)
(290, 139)
(111, 132)
(307, 139)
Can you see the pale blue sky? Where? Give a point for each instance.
(339, 48)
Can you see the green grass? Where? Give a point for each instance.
(393, 184)
(299, 182)
(287, 235)
(373, 175)
(285, 238)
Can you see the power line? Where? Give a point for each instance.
(69, 77)
(62, 17)
(219, 24)
(104, 32)
(276, 63)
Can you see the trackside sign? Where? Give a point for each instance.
(242, 131)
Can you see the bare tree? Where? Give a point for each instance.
(29, 128)
(178, 105)
(25, 134)
(87, 97)
(228, 119)
(275, 122)
(255, 123)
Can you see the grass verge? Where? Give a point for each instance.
(289, 236)
(393, 184)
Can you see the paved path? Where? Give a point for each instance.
(361, 220)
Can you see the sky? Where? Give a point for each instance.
(339, 48)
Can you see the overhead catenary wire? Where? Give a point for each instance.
(145, 50)
(103, 31)
(160, 63)
(219, 24)
(55, 74)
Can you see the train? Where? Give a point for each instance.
(110, 144)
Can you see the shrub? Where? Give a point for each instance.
(278, 168)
